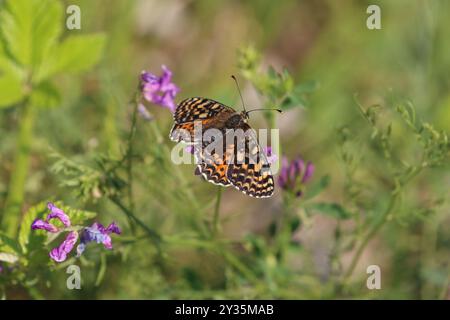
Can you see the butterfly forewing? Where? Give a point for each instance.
(193, 111)
(197, 108)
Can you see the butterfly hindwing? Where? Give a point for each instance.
(250, 171)
(213, 165)
(214, 173)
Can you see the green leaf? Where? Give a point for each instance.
(291, 101)
(7, 65)
(77, 216)
(316, 188)
(297, 97)
(26, 236)
(75, 54)
(45, 95)
(8, 245)
(332, 209)
(25, 233)
(11, 90)
(288, 81)
(30, 28)
(306, 87)
(272, 73)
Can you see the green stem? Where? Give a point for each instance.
(220, 248)
(188, 192)
(377, 226)
(217, 211)
(153, 235)
(372, 232)
(129, 168)
(16, 188)
(238, 265)
(283, 232)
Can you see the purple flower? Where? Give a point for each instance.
(96, 233)
(99, 234)
(294, 175)
(60, 253)
(41, 224)
(159, 90)
(55, 213)
(58, 214)
(271, 157)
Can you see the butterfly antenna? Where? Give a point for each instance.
(265, 109)
(239, 90)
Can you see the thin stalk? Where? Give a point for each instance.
(153, 235)
(188, 192)
(218, 247)
(372, 232)
(217, 211)
(180, 176)
(130, 164)
(283, 233)
(377, 226)
(16, 188)
(238, 265)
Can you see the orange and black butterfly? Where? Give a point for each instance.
(242, 164)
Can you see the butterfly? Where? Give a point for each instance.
(241, 164)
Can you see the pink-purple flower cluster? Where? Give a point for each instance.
(99, 234)
(159, 90)
(294, 174)
(96, 233)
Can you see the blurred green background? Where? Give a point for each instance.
(322, 41)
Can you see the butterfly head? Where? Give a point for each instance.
(245, 116)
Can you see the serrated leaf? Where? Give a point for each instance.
(27, 236)
(332, 209)
(45, 95)
(30, 28)
(78, 217)
(75, 54)
(25, 233)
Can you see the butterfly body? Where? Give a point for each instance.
(243, 166)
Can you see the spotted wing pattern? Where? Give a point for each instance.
(246, 168)
(250, 171)
(191, 110)
(197, 108)
(212, 166)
